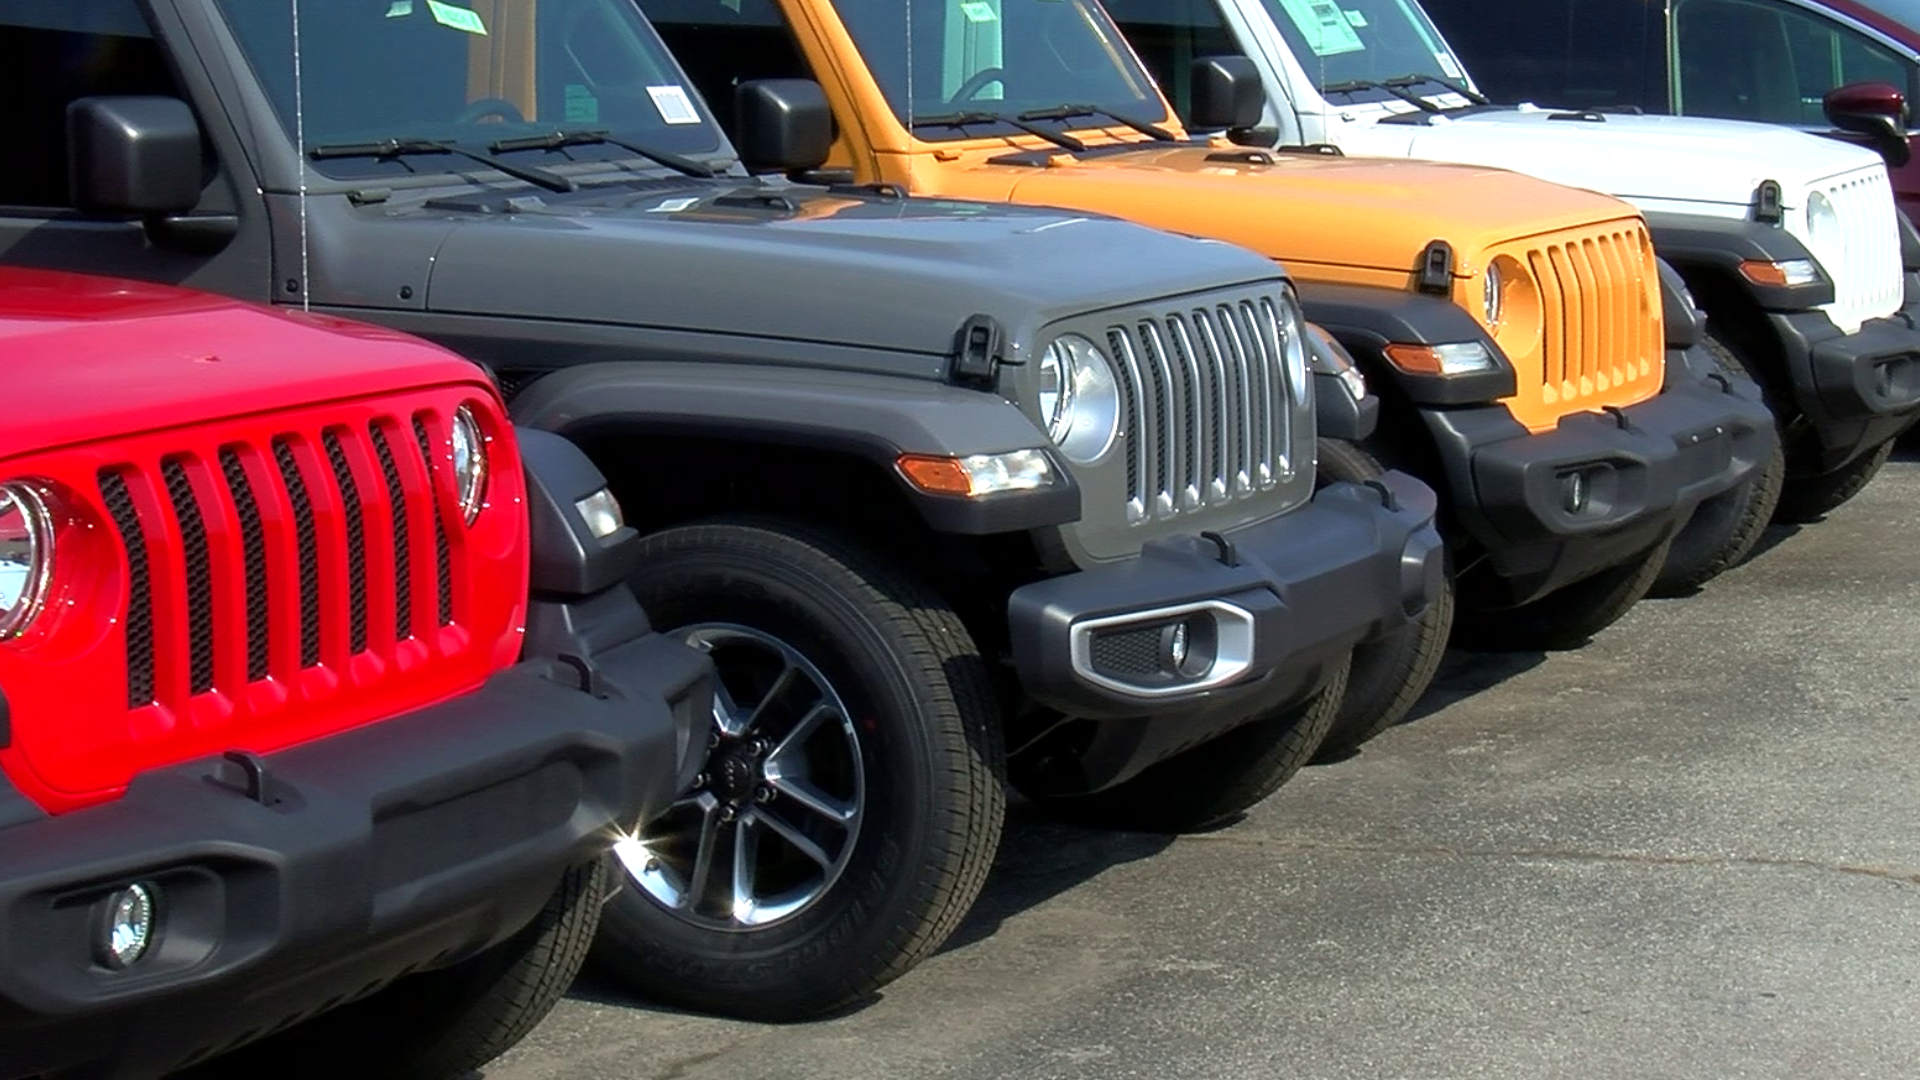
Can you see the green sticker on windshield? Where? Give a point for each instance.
(457, 17)
(978, 11)
(1324, 26)
(581, 106)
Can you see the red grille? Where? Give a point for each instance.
(356, 511)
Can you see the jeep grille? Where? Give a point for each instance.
(1601, 340)
(1864, 260)
(1205, 408)
(344, 525)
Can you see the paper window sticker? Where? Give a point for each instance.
(1355, 19)
(581, 106)
(978, 11)
(672, 206)
(1449, 66)
(674, 104)
(400, 9)
(1324, 26)
(457, 17)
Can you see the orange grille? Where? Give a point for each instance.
(1599, 338)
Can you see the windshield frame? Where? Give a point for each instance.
(1154, 108)
(272, 143)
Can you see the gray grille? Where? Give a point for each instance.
(1205, 406)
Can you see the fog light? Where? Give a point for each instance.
(1177, 646)
(602, 513)
(127, 928)
(1573, 492)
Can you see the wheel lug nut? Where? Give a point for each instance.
(713, 739)
(701, 780)
(727, 814)
(763, 794)
(757, 747)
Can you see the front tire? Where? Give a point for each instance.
(1387, 676)
(1723, 529)
(852, 799)
(1215, 782)
(1809, 499)
(440, 1025)
(1565, 618)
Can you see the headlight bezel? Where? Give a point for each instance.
(1083, 422)
(1492, 299)
(469, 478)
(39, 526)
(1294, 358)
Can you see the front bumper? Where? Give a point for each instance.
(406, 844)
(1642, 471)
(1855, 390)
(1267, 606)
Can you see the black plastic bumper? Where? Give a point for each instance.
(407, 844)
(1644, 469)
(1299, 589)
(1856, 390)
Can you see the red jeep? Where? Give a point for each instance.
(313, 700)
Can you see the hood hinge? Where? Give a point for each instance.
(1436, 269)
(1766, 203)
(979, 351)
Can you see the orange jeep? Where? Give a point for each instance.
(1513, 328)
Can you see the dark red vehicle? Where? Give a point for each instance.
(1812, 64)
(316, 707)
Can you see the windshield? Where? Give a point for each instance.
(1004, 56)
(1340, 41)
(373, 70)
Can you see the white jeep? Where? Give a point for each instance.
(1790, 242)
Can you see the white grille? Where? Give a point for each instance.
(1864, 260)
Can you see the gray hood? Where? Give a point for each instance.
(785, 262)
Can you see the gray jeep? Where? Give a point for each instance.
(947, 491)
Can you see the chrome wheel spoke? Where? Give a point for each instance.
(835, 810)
(801, 732)
(746, 846)
(781, 684)
(727, 715)
(800, 841)
(703, 852)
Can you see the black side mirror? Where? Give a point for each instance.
(783, 125)
(133, 155)
(1226, 94)
(1876, 110)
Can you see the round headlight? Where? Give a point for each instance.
(26, 556)
(1823, 221)
(1491, 292)
(1293, 345)
(1079, 398)
(469, 463)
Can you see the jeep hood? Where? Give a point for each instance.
(812, 265)
(1308, 209)
(1644, 159)
(87, 357)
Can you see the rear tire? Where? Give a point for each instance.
(440, 1025)
(1567, 617)
(1809, 499)
(853, 796)
(1723, 529)
(1216, 781)
(1387, 676)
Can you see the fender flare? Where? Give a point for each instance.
(1695, 242)
(868, 417)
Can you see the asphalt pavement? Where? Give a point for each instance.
(1689, 849)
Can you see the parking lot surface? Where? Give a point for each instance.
(1688, 849)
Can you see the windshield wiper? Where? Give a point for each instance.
(1074, 112)
(390, 149)
(1465, 91)
(1352, 85)
(962, 119)
(556, 140)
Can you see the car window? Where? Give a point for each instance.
(1768, 61)
(56, 51)
(471, 73)
(1337, 41)
(1169, 35)
(1586, 54)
